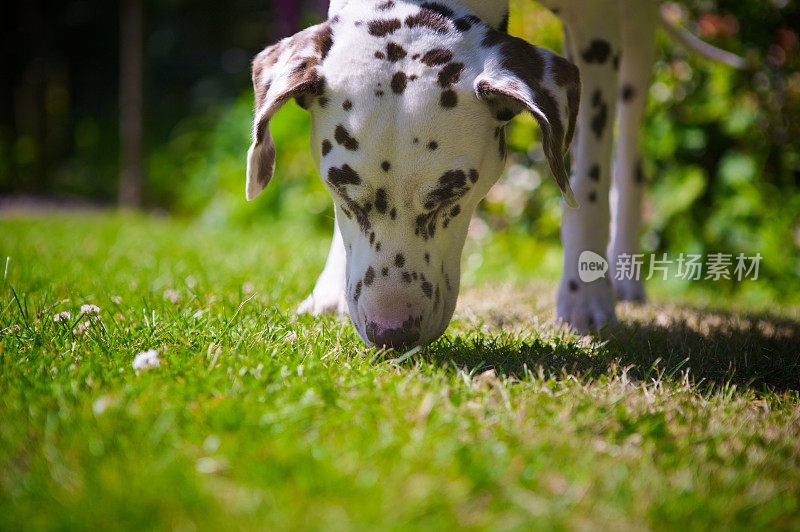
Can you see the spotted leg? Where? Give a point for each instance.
(328, 295)
(638, 55)
(593, 34)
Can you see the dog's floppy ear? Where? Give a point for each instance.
(519, 76)
(288, 69)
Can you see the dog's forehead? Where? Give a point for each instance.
(402, 39)
(399, 92)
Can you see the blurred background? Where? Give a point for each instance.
(722, 146)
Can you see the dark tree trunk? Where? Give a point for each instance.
(130, 103)
(287, 18)
(36, 92)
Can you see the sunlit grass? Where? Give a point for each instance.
(257, 418)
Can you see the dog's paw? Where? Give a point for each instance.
(586, 307)
(330, 302)
(629, 290)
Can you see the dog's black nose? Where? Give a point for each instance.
(404, 336)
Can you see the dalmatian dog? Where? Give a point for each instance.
(408, 102)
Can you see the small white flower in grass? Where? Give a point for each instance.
(173, 296)
(116, 300)
(90, 309)
(146, 360)
(62, 316)
(81, 328)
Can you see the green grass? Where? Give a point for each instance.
(684, 417)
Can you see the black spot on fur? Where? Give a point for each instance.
(448, 99)
(347, 105)
(432, 145)
(380, 55)
(439, 8)
(343, 137)
(462, 24)
(399, 260)
(416, 140)
(592, 196)
(427, 258)
(369, 276)
(395, 52)
(628, 92)
(323, 101)
(597, 52)
(379, 93)
(385, 166)
(357, 292)
(377, 246)
(473, 175)
(345, 175)
(491, 38)
(437, 56)
(452, 185)
(399, 82)
(573, 285)
(430, 19)
(455, 211)
(385, 271)
(594, 172)
(371, 238)
(326, 147)
(384, 6)
(427, 289)
(600, 116)
(383, 27)
(406, 277)
(324, 40)
(616, 61)
(393, 213)
(450, 74)
(380, 200)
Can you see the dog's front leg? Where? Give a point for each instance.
(638, 55)
(593, 38)
(328, 295)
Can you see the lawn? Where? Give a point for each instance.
(687, 417)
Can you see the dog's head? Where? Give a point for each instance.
(408, 104)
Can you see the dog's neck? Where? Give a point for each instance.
(490, 11)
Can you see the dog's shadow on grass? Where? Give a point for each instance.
(756, 352)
